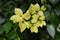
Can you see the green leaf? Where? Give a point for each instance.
(15, 26)
(48, 6)
(47, 15)
(3, 39)
(11, 35)
(54, 1)
(1, 29)
(53, 18)
(57, 36)
(51, 30)
(57, 10)
(24, 7)
(8, 26)
(17, 38)
(2, 20)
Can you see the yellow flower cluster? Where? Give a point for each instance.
(31, 19)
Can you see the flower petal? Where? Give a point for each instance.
(41, 13)
(18, 12)
(37, 7)
(22, 27)
(43, 8)
(35, 16)
(26, 15)
(34, 20)
(34, 29)
(42, 18)
(16, 18)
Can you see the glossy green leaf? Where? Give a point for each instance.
(47, 15)
(51, 30)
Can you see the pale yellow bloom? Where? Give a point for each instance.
(31, 19)
(35, 16)
(34, 29)
(37, 7)
(26, 15)
(28, 24)
(42, 18)
(43, 23)
(38, 24)
(34, 20)
(16, 18)
(40, 13)
(22, 26)
(43, 8)
(18, 12)
(32, 9)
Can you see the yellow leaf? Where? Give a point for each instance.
(18, 12)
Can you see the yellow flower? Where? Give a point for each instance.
(31, 19)
(32, 9)
(34, 20)
(38, 24)
(35, 16)
(37, 7)
(43, 8)
(16, 18)
(26, 15)
(41, 13)
(28, 24)
(42, 18)
(43, 23)
(18, 12)
(34, 29)
(22, 26)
